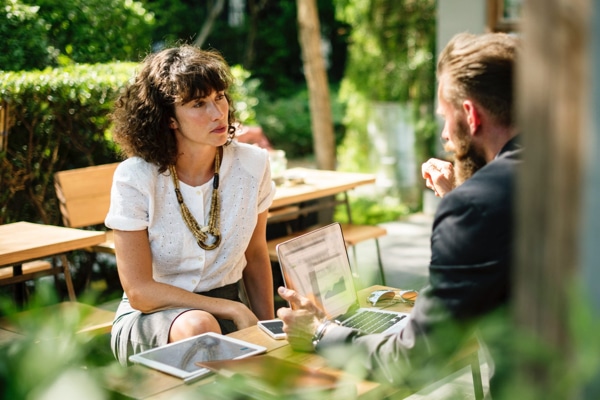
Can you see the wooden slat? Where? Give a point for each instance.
(84, 194)
(86, 210)
(27, 268)
(84, 197)
(283, 213)
(354, 234)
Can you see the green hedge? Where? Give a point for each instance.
(53, 120)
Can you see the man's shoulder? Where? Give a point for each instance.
(490, 188)
(500, 172)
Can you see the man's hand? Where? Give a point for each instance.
(438, 175)
(301, 321)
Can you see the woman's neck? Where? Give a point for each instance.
(198, 168)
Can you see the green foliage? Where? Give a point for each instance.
(92, 31)
(265, 44)
(392, 50)
(24, 45)
(353, 152)
(176, 20)
(391, 58)
(49, 360)
(372, 210)
(244, 95)
(57, 119)
(286, 122)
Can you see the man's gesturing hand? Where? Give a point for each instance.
(301, 321)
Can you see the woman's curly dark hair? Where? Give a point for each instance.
(144, 109)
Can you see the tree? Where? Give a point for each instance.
(318, 87)
(255, 7)
(24, 45)
(95, 31)
(389, 92)
(213, 14)
(549, 311)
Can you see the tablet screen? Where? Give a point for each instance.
(180, 358)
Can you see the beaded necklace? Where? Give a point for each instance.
(201, 233)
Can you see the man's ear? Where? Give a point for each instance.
(473, 116)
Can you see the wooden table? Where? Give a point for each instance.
(304, 184)
(139, 382)
(25, 241)
(307, 199)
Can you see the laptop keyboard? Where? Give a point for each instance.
(372, 321)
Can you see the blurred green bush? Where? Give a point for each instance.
(287, 124)
(24, 45)
(48, 33)
(53, 120)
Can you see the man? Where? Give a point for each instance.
(471, 241)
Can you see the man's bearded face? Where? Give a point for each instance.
(468, 159)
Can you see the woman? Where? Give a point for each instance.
(188, 206)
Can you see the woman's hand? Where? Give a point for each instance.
(242, 316)
(438, 175)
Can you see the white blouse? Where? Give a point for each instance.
(141, 198)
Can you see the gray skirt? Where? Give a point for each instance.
(134, 332)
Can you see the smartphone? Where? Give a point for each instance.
(273, 327)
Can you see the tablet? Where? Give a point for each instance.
(179, 359)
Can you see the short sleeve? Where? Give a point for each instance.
(266, 191)
(130, 196)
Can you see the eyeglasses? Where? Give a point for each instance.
(408, 296)
(393, 296)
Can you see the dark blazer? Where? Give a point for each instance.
(469, 278)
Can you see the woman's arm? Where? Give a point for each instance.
(258, 278)
(134, 262)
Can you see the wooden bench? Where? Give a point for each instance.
(33, 270)
(32, 267)
(29, 270)
(84, 198)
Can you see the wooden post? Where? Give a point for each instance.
(552, 90)
(590, 213)
(318, 87)
(4, 125)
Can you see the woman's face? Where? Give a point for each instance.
(202, 121)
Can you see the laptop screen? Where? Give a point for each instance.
(316, 265)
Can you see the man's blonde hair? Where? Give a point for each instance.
(481, 67)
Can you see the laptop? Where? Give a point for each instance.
(317, 266)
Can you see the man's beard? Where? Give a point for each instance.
(467, 158)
